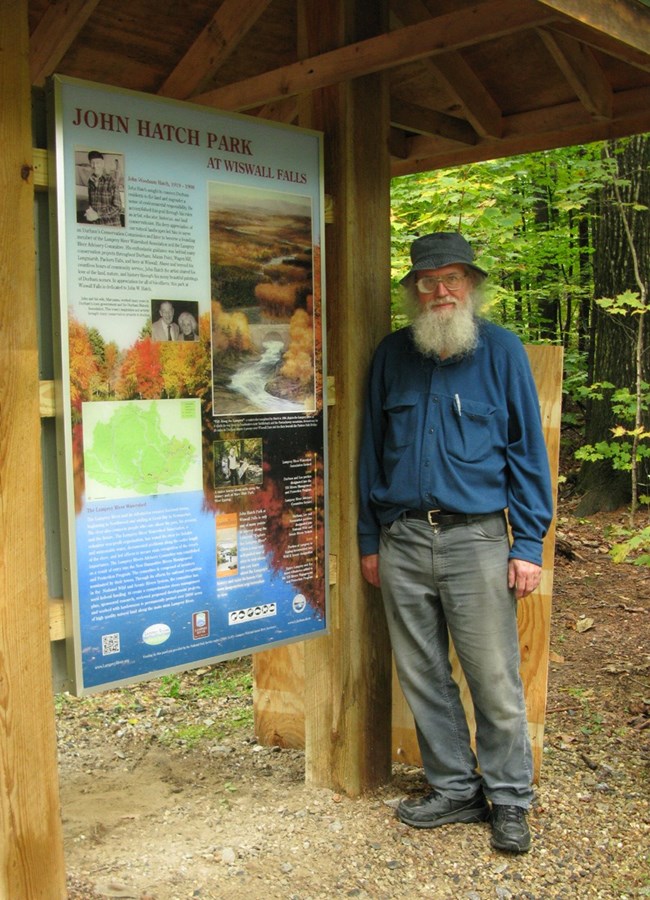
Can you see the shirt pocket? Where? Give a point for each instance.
(401, 413)
(471, 430)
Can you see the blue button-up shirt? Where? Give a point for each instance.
(461, 434)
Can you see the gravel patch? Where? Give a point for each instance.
(171, 798)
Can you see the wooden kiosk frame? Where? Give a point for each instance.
(340, 82)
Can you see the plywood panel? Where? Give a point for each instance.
(278, 696)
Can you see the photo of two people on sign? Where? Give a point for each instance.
(174, 320)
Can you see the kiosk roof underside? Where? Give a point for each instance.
(468, 80)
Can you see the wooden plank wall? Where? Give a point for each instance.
(279, 682)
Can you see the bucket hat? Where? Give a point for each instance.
(433, 251)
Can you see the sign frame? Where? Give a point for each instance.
(189, 302)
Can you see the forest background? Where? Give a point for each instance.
(565, 237)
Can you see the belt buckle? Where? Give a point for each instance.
(431, 516)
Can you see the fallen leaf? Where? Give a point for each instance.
(584, 625)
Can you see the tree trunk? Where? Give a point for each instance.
(584, 318)
(548, 302)
(615, 335)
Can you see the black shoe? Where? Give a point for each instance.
(434, 809)
(510, 828)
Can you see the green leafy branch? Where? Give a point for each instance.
(630, 441)
(627, 303)
(635, 544)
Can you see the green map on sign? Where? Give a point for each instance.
(131, 453)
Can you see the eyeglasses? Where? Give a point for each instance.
(429, 283)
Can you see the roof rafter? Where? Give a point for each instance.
(478, 106)
(579, 67)
(280, 111)
(605, 43)
(417, 119)
(623, 20)
(527, 132)
(60, 25)
(213, 46)
(484, 21)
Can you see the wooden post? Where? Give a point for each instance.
(332, 695)
(31, 843)
(347, 673)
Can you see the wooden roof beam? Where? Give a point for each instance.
(220, 37)
(482, 22)
(633, 104)
(605, 43)
(478, 105)
(625, 20)
(578, 65)
(54, 34)
(530, 132)
(398, 144)
(417, 119)
(453, 71)
(282, 111)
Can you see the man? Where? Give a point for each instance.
(164, 328)
(452, 437)
(104, 206)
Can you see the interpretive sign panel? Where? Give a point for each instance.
(192, 425)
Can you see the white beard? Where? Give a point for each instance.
(446, 333)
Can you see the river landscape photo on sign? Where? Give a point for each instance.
(262, 301)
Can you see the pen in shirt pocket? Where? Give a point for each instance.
(459, 408)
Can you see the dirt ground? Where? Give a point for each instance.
(167, 795)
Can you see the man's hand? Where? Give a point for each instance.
(524, 576)
(370, 568)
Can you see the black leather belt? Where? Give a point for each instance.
(442, 516)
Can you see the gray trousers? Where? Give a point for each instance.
(440, 581)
